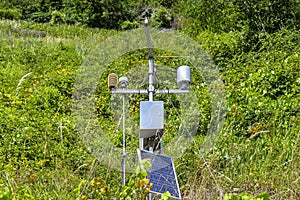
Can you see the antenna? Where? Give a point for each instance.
(151, 116)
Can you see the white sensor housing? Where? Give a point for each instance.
(183, 77)
(123, 81)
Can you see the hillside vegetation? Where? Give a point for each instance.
(255, 46)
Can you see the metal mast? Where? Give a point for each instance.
(148, 130)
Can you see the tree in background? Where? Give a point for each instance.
(110, 14)
(268, 16)
(253, 18)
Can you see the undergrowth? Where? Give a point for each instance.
(43, 157)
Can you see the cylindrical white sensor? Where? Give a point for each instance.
(183, 77)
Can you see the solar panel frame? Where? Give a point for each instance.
(162, 174)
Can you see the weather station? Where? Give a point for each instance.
(152, 114)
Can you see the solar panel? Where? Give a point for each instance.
(162, 174)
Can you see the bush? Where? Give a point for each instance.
(9, 13)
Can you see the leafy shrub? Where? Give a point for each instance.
(129, 25)
(5, 194)
(161, 18)
(57, 17)
(9, 13)
(244, 196)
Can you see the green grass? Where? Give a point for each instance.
(42, 156)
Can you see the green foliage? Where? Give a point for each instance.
(39, 147)
(270, 16)
(129, 25)
(267, 17)
(244, 196)
(8, 13)
(42, 156)
(217, 16)
(253, 18)
(161, 17)
(105, 14)
(263, 110)
(5, 193)
(166, 196)
(137, 187)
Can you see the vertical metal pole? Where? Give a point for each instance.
(124, 143)
(151, 74)
(151, 78)
(141, 143)
(151, 63)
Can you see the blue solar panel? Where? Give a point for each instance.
(162, 174)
